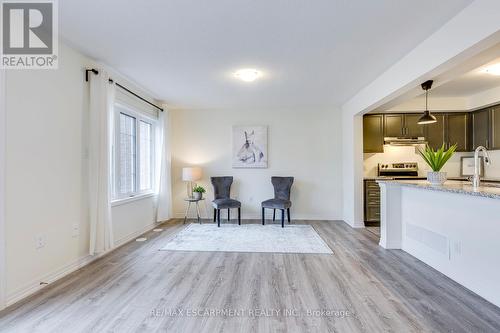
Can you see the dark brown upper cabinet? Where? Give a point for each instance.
(495, 127)
(481, 128)
(401, 125)
(467, 129)
(435, 134)
(457, 131)
(449, 129)
(373, 133)
(394, 125)
(412, 128)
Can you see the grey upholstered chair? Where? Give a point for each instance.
(281, 200)
(222, 191)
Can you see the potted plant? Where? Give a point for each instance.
(436, 159)
(198, 192)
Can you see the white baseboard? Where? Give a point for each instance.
(304, 217)
(35, 286)
(135, 234)
(52, 277)
(355, 225)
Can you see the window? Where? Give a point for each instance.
(134, 153)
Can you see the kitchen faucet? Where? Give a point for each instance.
(476, 181)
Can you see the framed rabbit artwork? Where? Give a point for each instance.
(249, 147)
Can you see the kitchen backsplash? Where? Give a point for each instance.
(393, 154)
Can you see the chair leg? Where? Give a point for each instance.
(274, 215)
(239, 215)
(282, 218)
(218, 217)
(288, 214)
(229, 214)
(263, 216)
(215, 215)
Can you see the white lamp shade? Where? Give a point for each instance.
(191, 174)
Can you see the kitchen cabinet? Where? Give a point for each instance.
(402, 125)
(394, 125)
(480, 128)
(495, 127)
(372, 202)
(467, 129)
(435, 134)
(457, 131)
(412, 128)
(373, 133)
(449, 129)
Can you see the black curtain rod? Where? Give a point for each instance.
(96, 72)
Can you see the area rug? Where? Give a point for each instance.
(248, 238)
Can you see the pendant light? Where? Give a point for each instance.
(427, 118)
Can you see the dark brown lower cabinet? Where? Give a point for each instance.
(372, 202)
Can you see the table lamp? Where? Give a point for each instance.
(190, 175)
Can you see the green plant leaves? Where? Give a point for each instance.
(437, 159)
(199, 189)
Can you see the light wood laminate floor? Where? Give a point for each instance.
(138, 288)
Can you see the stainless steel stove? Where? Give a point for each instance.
(393, 170)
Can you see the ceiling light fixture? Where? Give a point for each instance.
(493, 70)
(427, 118)
(247, 74)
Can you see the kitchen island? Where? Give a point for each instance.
(454, 228)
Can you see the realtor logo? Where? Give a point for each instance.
(29, 34)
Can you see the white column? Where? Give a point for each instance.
(390, 215)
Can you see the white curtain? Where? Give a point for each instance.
(164, 188)
(101, 126)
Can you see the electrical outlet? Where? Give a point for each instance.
(39, 242)
(76, 230)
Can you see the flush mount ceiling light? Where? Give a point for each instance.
(493, 70)
(247, 74)
(427, 118)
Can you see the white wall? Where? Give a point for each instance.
(2, 188)
(302, 144)
(352, 146)
(46, 155)
(447, 48)
(441, 104)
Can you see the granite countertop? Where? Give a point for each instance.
(487, 190)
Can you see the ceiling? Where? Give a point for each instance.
(470, 83)
(313, 54)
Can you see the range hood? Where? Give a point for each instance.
(405, 141)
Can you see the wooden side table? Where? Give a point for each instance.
(189, 202)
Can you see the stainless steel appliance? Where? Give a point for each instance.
(404, 170)
(398, 170)
(405, 141)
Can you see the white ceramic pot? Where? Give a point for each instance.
(436, 177)
(197, 195)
